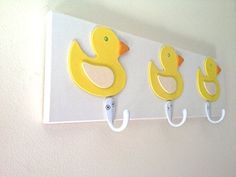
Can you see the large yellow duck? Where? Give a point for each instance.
(170, 62)
(212, 70)
(107, 48)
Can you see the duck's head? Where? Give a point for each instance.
(211, 68)
(106, 44)
(170, 61)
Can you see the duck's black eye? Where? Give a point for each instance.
(168, 55)
(106, 38)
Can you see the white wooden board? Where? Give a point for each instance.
(65, 102)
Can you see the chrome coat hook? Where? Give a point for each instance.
(169, 114)
(208, 113)
(110, 110)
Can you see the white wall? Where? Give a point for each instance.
(147, 148)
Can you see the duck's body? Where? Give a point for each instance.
(170, 62)
(212, 70)
(157, 87)
(106, 56)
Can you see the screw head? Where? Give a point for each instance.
(108, 107)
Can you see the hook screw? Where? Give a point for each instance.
(108, 107)
(110, 111)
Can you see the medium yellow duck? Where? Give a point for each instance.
(107, 48)
(170, 62)
(212, 70)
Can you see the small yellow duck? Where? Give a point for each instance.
(170, 62)
(107, 48)
(212, 70)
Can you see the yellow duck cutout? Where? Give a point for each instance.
(170, 62)
(212, 70)
(107, 48)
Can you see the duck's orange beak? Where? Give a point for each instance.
(123, 48)
(180, 60)
(218, 69)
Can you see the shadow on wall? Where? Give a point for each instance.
(98, 13)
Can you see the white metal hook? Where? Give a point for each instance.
(169, 114)
(208, 113)
(110, 110)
